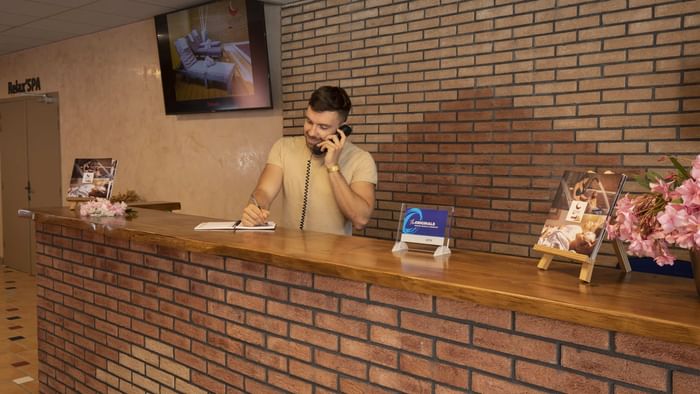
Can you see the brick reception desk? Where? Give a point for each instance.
(149, 305)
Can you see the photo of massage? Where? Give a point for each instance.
(581, 208)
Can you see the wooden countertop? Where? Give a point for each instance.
(662, 307)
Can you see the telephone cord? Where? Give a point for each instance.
(306, 194)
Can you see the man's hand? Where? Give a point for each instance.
(333, 146)
(254, 216)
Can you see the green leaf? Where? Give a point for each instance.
(682, 172)
(653, 176)
(642, 180)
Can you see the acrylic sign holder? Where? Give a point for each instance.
(421, 227)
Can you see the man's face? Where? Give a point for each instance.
(319, 125)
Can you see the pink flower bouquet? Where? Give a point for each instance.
(667, 216)
(102, 207)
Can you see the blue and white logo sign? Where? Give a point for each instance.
(425, 226)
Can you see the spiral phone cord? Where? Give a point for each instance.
(306, 194)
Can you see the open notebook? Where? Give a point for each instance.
(235, 226)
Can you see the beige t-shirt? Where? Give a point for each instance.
(322, 212)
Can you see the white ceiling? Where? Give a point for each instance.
(31, 23)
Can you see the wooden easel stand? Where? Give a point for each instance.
(587, 264)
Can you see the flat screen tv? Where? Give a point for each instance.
(213, 57)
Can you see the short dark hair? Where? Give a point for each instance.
(331, 98)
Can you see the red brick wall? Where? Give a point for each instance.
(483, 104)
(119, 315)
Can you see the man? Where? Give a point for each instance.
(326, 181)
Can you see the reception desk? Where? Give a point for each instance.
(149, 305)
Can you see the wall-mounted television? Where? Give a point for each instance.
(213, 57)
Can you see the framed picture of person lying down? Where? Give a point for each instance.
(213, 57)
(575, 225)
(92, 178)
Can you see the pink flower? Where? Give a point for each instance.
(695, 170)
(663, 188)
(102, 207)
(689, 192)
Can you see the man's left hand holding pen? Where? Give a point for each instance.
(253, 214)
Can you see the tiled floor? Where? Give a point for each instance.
(18, 348)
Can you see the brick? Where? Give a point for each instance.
(554, 379)
(313, 336)
(401, 340)
(372, 312)
(563, 331)
(244, 334)
(231, 377)
(473, 358)
(289, 276)
(230, 345)
(209, 353)
(266, 358)
(357, 387)
(488, 384)
(317, 375)
(289, 348)
(684, 382)
(158, 263)
(435, 327)
(372, 353)
(255, 387)
(341, 364)
(225, 280)
(244, 300)
(621, 369)
(342, 325)
(401, 298)
(515, 344)
(288, 383)
(245, 367)
(648, 348)
(266, 323)
(341, 286)
(209, 384)
(266, 289)
(436, 371)
(289, 312)
(245, 267)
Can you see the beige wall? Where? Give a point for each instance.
(111, 105)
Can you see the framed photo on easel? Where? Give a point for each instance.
(91, 178)
(575, 225)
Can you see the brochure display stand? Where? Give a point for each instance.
(575, 226)
(423, 228)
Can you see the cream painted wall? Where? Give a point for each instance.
(111, 105)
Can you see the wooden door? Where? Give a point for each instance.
(31, 171)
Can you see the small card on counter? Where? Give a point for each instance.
(235, 226)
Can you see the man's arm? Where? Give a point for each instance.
(356, 201)
(269, 185)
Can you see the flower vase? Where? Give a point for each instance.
(695, 264)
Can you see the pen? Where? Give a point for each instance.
(235, 225)
(255, 201)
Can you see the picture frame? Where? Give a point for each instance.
(576, 223)
(91, 178)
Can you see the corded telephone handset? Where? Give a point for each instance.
(346, 129)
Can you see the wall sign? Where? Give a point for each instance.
(28, 85)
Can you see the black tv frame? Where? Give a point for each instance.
(262, 97)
